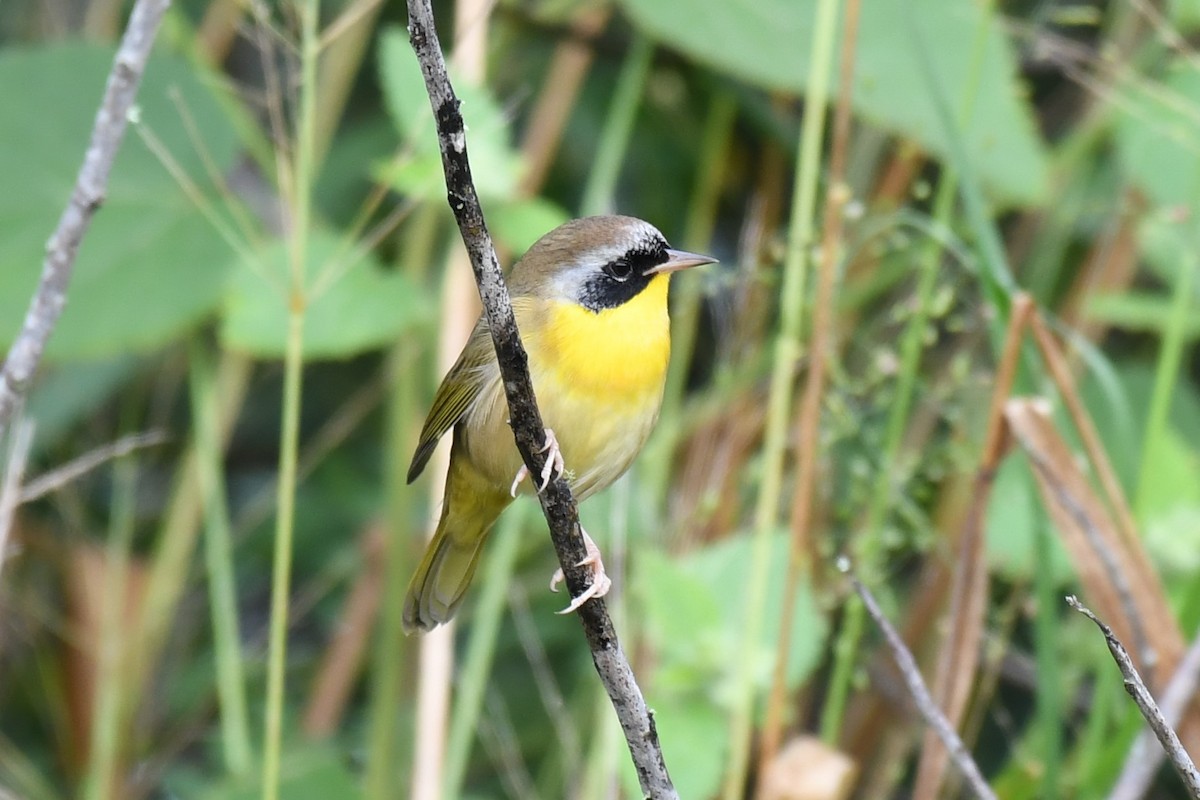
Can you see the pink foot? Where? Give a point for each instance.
(601, 583)
(552, 469)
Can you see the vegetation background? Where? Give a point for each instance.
(288, 151)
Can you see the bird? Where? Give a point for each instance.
(590, 301)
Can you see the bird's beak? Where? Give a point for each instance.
(679, 259)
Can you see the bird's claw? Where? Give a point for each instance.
(553, 468)
(601, 583)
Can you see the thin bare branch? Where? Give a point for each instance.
(558, 504)
(90, 186)
(1145, 703)
(76, 468)
(1144, 758)
(920, 694)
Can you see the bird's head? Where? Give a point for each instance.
(598, 262)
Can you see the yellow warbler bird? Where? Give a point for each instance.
(590, 298)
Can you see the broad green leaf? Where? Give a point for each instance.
(684, 615)
(725, 567)
(704, 592)
(1009, 533)
(150, 265)
(1176, 476)
(1168, 241)
(366, 308)
(768, 42)
(308, 771)
(495, 166)
(695, 613)
(1171, 512)
(1157, 140)
(1138, 311)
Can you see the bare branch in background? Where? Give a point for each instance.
(74, 469)
(558, 504)
(51, 296)
(1144, 758)
(920, 694)
(1145, 703)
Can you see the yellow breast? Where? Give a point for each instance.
(620, 353)
(598, 378)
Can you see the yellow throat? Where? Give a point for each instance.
(618, 352)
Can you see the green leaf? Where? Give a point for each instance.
(1171, 517)
(150, 265)
(364, 309)
(1009, 533)
(684, 616)
(308, 771)
(768, 42)
(725, 567)
(695, 606)
(1139, 311)
(695, 614)
(1157, 140)
(495, 166)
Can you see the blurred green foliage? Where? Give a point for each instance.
(1080, 126)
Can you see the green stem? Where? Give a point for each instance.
(293, 368)
(282, 563)
(1166, 375)
(614, 139)
(779, 403)
(231, 691)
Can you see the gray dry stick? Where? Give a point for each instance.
(51, 295)
(562, 514)
(1145, 757)
(1145, 703)
(920, 694)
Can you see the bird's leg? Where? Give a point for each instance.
(553, 468)
(601, 583)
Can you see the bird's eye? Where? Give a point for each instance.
(619, 269)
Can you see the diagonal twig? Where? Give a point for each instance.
(1145, 703)
(59, 477)
(90, 185)
(920, 694)
(558, 504)
(1144, 759)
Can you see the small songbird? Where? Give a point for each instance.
(590, 299)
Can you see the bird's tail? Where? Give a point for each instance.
(440, 582)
